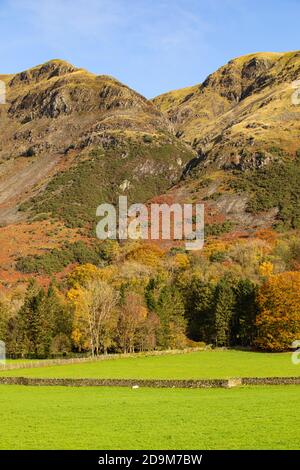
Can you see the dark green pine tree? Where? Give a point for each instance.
(199, 302)
(246, 309)
(170, 311)
(28, 324)
(36, 323)
(166, 302)
(4, 319)
(152, 293)
(224, 309)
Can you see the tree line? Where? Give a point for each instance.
(134, 306)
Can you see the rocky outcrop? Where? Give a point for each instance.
(53, 68)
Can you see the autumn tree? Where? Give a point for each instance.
(83, 274)
(147, 253)
(266, 269)
(147, 334)
(110, 250)
(181, 261)
(132, 318)
(278, 322)
(95, 315)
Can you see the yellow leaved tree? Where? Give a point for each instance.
(278, 323)
(95, 315)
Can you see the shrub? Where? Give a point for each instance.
(274, 186)
(56, 259)
(218, 256)
(29, 153)
(147, 139)
(214, 230)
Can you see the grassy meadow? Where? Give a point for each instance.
(194, 365)
(123, 418)
(258, 417)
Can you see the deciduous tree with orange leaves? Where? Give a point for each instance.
(278, 323)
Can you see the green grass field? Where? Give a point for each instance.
(122, 418)
(205, 364)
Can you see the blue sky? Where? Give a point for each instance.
(152, 46)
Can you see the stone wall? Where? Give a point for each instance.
(209, 383)
(271, 381)
(201, 383)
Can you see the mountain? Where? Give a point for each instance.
(70, 140)
(244, 123)
(246, 104)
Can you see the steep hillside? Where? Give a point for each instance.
(244, 123)
(90, 133)
(70, 140)
(240, 111)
